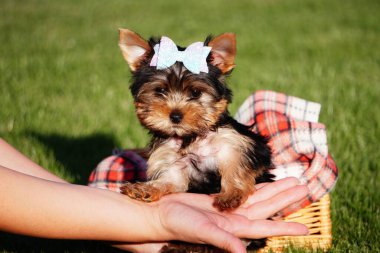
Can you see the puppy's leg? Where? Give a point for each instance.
(146, 191)
(166, 172)
(235, 168)
(171, 179)
(237, 183)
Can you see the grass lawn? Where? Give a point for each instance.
(65, 100)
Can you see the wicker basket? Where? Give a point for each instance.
(317, 218)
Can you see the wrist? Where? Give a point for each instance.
(141, 221)
(156, 219)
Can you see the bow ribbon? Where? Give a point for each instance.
(193, 57)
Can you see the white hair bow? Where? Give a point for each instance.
(193, 57)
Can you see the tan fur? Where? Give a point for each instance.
(219, 108)
(166, 172)
(147, 192)
(224, 51)
(133, 47)
(237, 178)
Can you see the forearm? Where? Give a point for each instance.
(36, 207)
(14, 160)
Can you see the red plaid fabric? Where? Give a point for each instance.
(298, 143)
(113, 171)
(297, 140)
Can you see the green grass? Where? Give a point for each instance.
(64, 98)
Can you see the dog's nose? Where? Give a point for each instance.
(176, 117)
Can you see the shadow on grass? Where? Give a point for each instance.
(17, 243)
(78, 155)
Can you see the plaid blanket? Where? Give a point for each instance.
(297, 140)
(123, 166)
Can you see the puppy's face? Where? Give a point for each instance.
(175, 101)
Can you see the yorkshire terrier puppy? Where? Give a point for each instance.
(181, 97)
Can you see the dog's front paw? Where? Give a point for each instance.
(141, 191)
(229, 201)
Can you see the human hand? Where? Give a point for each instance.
(192, 218)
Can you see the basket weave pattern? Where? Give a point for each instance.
(317, 218)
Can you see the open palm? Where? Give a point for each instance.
(192, 218)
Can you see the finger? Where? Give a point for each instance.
(264, 191)
(222, 239)
(267, 208)
(201, 201)
(271, 189)
(258, 229)
(259, 186)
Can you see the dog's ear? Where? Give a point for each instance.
(133, 47)
(223, 51)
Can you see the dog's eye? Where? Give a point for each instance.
(160, 91)
(195, 93)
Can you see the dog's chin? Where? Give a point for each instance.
(178, 131)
